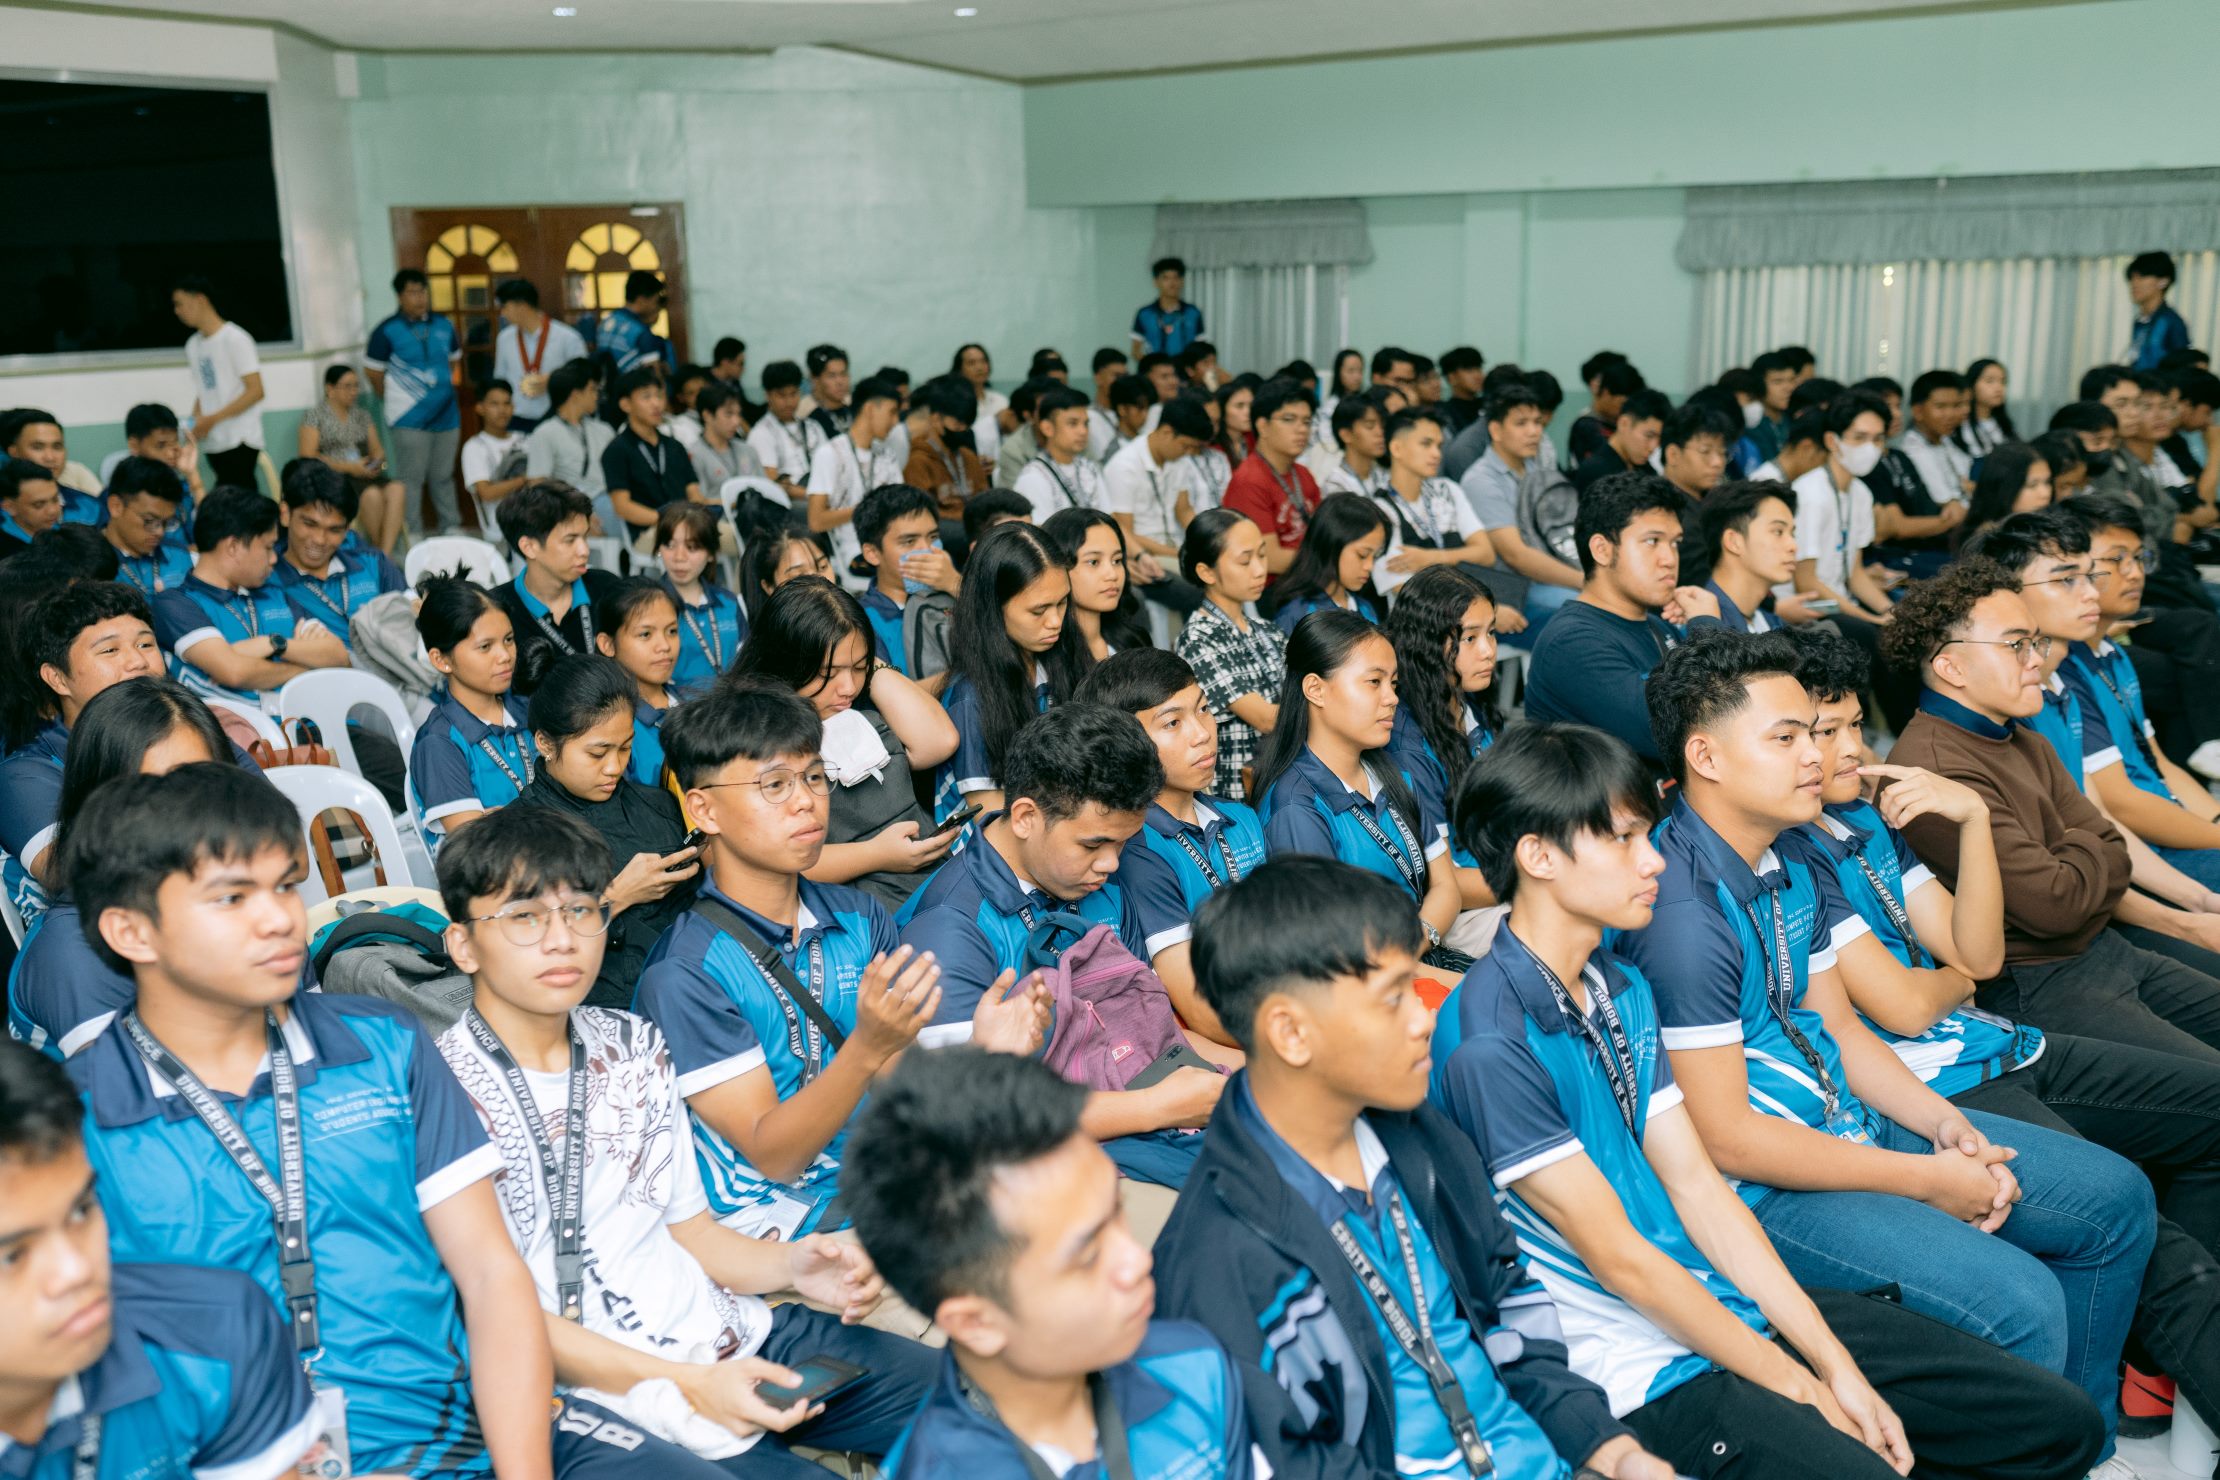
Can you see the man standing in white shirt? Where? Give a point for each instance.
(1059, 476)
(786, 441)
(227, 384)
(530, 347)
(850, 466)
(493, 462)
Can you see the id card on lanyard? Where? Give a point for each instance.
(1780, 995)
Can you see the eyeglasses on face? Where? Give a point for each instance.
(778, 786)
(2024, 650)
(527, 924)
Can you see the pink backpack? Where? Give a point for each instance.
(1113, 1017)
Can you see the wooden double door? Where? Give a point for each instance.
(577, 256)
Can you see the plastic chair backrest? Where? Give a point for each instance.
(329, 695)
(483, 562)
(315, 790)
(264, 726)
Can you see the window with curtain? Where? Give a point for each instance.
(1271, 277)
(1896, 277)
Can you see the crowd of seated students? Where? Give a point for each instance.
(1071, 966)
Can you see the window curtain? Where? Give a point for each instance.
(2048, 319)
(1271, 277)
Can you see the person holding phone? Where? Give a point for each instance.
(880, 731)
(582, 728)
(590, 1095)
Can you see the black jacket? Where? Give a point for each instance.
(1246, 1257)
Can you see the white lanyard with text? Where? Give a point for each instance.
(1407, 863)
(565, 1181)
(1610, 1044)
(84, 1463)
(523, 755)
(286, 1193)
(1780, 994)
(1076, 498)
(1418, 1343)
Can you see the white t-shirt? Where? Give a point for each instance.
(1339, 479)
(1832, 528)
(1135, 483)
(221, 363)
(787, 447)
(1941, 465)
(482, 456)
(844, 473)
(1442, 514)
(643, 1289)
(1103, 436)
(1053, 486)
(564, 344)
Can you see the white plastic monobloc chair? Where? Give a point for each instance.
(329, 696)
(315, 790)
(265, 728)
(484, 563)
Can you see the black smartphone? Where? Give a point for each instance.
(954, 820)
(821, 1378)
(693, 839)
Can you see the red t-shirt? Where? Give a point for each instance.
(1257, 492)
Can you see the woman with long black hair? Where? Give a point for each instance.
(1103, 602)
(1988, 425)
(1329, 786)
(1240, 660)
(1333, 565)
(1012, 652)
(881, 729)
(2014, 479)
(1443, 632)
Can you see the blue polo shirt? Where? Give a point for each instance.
(572, 626)
(79, 507)
(1178, 1395)
(1167, 333)
(2061, 722)
(709, 636)
(2156, 336)
(30, 806)
(968, 769)
(723, 1020)
(1310, 810)
(2114, 726)
(348, 584)
(1519, 1077)
(1965, 1048)
(647, 742)
(1731, 617)
(194, 611)
(389, 1133)
(417, 358)
(168, 566)
(1409, 748)
(61, 995)
(460, 763)
(1302, 606)
(198, 1380)
(626, 337)
(886, 629)
(1711, 961)
(1162, 877)
(1424, 1443)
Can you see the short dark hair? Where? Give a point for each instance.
(1106, 357)
(1055, 397)
(922, 1162)
(1706, 679)
(1620, 378)
(1548, 394)
(1557, 782)
(1388, 356)
(1646, 405)
(757, 719)
(1844, 410)
(1151, 360)
(517, 290)
(1614, 502)
(145, 475)
(1796, 357)
(17, 471)
(495, 383)
(2098, 379)
(567, 381)
(2152, 264)
(2019, 540)
(138, 831)
(1928, 382)
(310, 481)
(533, 511)
(1815, 394)
(40, 1113)
(520, 853)
(1733, 505)
(1296, 922)
(1132, 390)
(1168, 264)
(194, 282)
(1765, 364)
(1692, 419)
(640, 283)
(1272, 396)
(2102, 511)
(873, 388)
(66, 552)
(1195, 353)
(410, 277)
(726, 348)
(1135, 680)
(2198, 387)
(1929, 611)
(1806, 426)
(639, 378)
(58, 618)
(887, 503)
(983, 509)
(579, 691)
(822, 357)
(232, 513)
(1881, 385)
(148, 417)
(2084, 416)
(1507, 398)
(1080, 753)
(893, 375)
(1829, 665)
(1740, 381)
(782, 375)
(952, 396)
(1463, 357)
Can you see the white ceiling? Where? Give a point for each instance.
(1018, 40)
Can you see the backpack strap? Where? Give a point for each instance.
(352, 928)
(774, 969)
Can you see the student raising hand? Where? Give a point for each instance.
(1009, 1021)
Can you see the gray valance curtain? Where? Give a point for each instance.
(1970, 219)
(1264, 233)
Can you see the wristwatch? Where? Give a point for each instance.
(277, 647)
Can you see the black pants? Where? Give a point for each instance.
(2116, 992)
(1968, 1409)
(2162, 1112)
(2177, 658)
(1174, 593)
(2196, 957)
(235, 466)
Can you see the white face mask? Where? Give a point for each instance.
(1752, 414)
(1861, 459)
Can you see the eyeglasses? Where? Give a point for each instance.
(2071, 580)
(2112, 565)
(778, 786)
(527, 925)
(2020, 647)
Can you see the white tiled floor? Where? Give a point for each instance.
(2149, 1458)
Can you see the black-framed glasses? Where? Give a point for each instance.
(2020, 647)
(527, 925)
(778, 786)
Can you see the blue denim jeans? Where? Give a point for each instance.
(2056, 1285)
(1542, 603)
(2201, 864)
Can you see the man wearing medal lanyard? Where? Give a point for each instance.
(531, 346)
(314, 1142)
(1862, 1175)
(123, 1369)
(1549, 1057)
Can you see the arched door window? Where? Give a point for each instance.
(594, 270)
(464, 265)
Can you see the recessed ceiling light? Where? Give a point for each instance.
(566, 11)
(966, 12)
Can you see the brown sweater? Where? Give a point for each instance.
(2063, 863)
